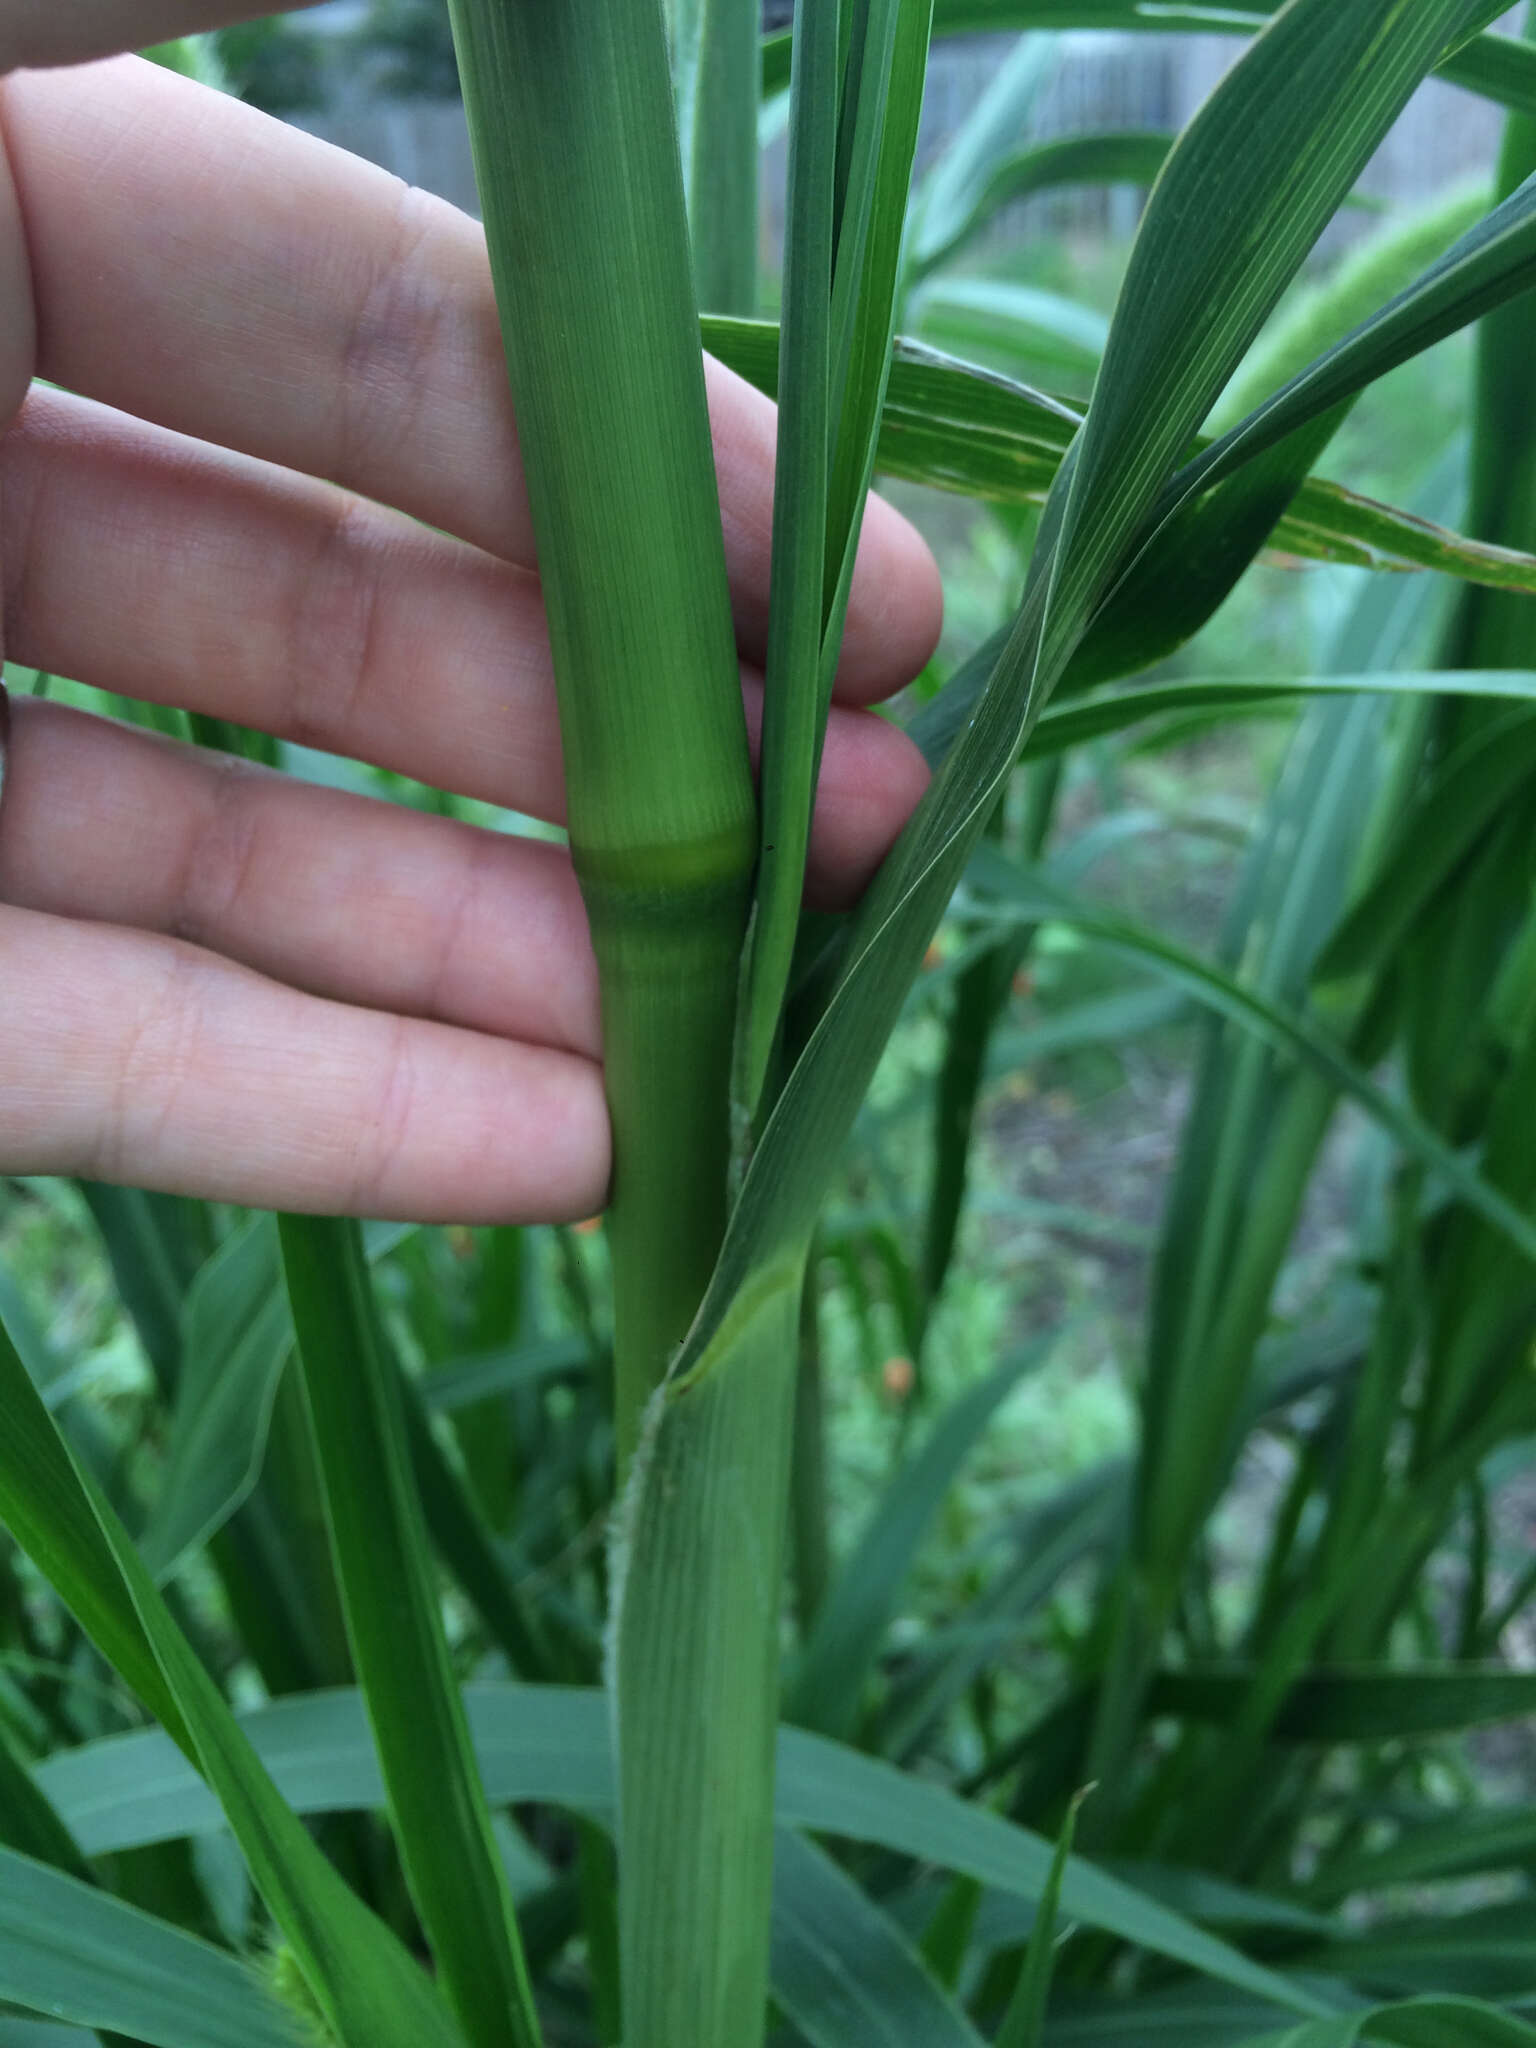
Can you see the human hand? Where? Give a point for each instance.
(221, 980)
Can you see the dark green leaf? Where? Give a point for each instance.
(552, 1744)
(1380, 1703)
(828, 1681)
(394, 1619)
(842, 1971)
(75, 1954)
(237, 1337)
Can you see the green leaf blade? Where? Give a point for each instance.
(389, 1593)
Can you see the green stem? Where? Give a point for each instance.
(697, 1680)
(576, 157)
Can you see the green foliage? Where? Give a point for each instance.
(1211, 1495)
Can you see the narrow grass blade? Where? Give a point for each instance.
(792, 708)
(1436, 832)
(1081, 1521)
(1366, 278)
(1491, 264)
(1114, 157)
(1018, 328)
(1074, 724)
(981, 994)
(809, 1504)
(28, 1823)
(715, 70)
(1381, 1703)
(272, 1556)
(842, 1972)
(1167, 360)
(829, 1679)
(1298, 1035)
(1189, 568)
(847, 203)
(1254, 183)
(956, 197)
(466, 1547)
(1429, 1849)
(1493, 65)
(959, 428)
(44, 1506)
(864, 310)
(76, 1954)
(461, 1382)
(365, 1983)
(237, 1340)
(442, 1822)
(1419, 2023)
(554, 1744)
(1024, 2022)
(156, 1244)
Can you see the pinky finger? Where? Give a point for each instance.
(135, 1058)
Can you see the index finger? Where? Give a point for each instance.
(240, 281)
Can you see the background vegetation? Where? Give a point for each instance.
(1166, 1405)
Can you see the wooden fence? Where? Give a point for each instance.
(1104, 82)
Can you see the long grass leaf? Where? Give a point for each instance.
(1375, 1703)
(28, 1823)
(442, 1822)
(1252, 181)
(1300, 1036)
(828, 1681)
(715, 79)
(1120, 156)
(237, 1340)
(1433, 837)
(552, 1743)
(1492, 263)
(1024, 2022)
(1421, 2023)
(1494, 65)
(842, 1971)
(1076, 723)
(792, 709)
(79, 1955)
(366, 1984)
(959, 428)
(951, 201)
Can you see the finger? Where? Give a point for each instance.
(18, 333)
(134, 1058)
(361, 901)
(252, 286)
(70, 31)
(148, 564)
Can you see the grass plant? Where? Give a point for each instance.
(365, 1466)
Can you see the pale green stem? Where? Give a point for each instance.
(701, 1562)
(576, 158)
